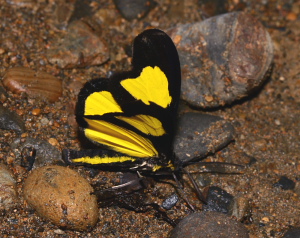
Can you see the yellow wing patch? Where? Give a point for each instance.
(119, 138)
(151, 86)
(100, 103)
(146, 124)
(103, 160)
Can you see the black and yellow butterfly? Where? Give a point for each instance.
(133, 114)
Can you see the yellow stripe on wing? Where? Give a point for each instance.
(119, 139)
(102, 160)
(145, 123)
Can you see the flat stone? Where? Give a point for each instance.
(46, 154)
(80, 47)
(11, 121)
(200, 135)
(207, 225)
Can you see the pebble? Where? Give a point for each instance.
(218, 200)
(213, 7)
(62, 196)
(8, 192)
(35, 84)
(201, 134)
(285, 183)
(242, 209)
(292, 233)
(134, 9)
(46, 154)
(223, 58)
(11, 121)
(209, 224)
(79, 48)
(170, 201)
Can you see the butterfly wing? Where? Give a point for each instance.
(134, 113)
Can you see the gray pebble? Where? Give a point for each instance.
(285, 183)
(11, 120)
(133, 9)
(170, 201)
(223, 58)
(201, 134)
(292, 233)
(46, 153)
(8, 192)
(62, 196)
(218, 200)
(209, 224)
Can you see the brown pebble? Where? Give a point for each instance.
(291, 16)
(62, 196)
(36, 111)
(81, 47)
(34, 84)
(53, 142)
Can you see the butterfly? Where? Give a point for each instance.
(131, 116)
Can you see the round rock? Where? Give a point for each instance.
(209, 224)
(62, 196)
(223, 58)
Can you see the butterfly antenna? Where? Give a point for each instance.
(183, 192)
(198, 192)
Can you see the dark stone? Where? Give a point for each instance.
(219, 200)
(46, 154)
(134, 9)
(170, 201)
(201, 134)
(209, 224)
(285, 183)
(292, 233)
(213, 7)
(11, 120)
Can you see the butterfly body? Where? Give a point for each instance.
(132, 115)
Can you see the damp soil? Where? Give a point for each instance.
(267, 123)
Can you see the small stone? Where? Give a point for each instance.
(223, 58)
(201, 134)
(62, 196)
(242, 209)
(36, 111)
(79, 48)
(134, 9)
(170, 201)
(34, 84)
(46, 154)
(207, 225)
(213, 7)
(285, 183)
(218, 200)
(8, 192)
(291, 16)
(11, 120)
